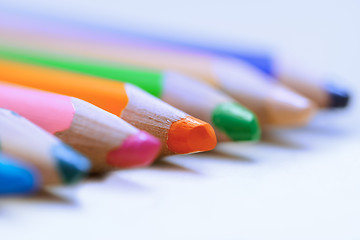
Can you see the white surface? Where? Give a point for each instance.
(297, 184)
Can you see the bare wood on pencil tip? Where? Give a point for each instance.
(141, 112)
(95, 133)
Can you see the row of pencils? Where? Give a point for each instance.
(77, 97)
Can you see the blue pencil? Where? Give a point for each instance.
(16, 177)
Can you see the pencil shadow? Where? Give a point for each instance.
(98, 176)
(41, 196)
(45, 195)
(326, 131)
(273, 138)
(115, 181)
(224, 153)
(163, 164)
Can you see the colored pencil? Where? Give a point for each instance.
(104, 138)
(56, 162)
(179, 132)
(231, 120)
(17, 177)
(324, 92)
(273, 103)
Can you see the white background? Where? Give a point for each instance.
(296, 184)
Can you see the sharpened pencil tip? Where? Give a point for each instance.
(287, 108)
(72, 165)
(339, 97)
(138, 150)
(16, 178)
(237, 122)
(190, 135)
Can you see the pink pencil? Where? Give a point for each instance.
(106, 139)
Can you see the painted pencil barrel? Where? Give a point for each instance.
(107, 140)
(56, 162)
(115, 97)
(17, 177)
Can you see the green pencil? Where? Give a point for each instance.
(231, 120)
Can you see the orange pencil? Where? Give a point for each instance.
(179, 132)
